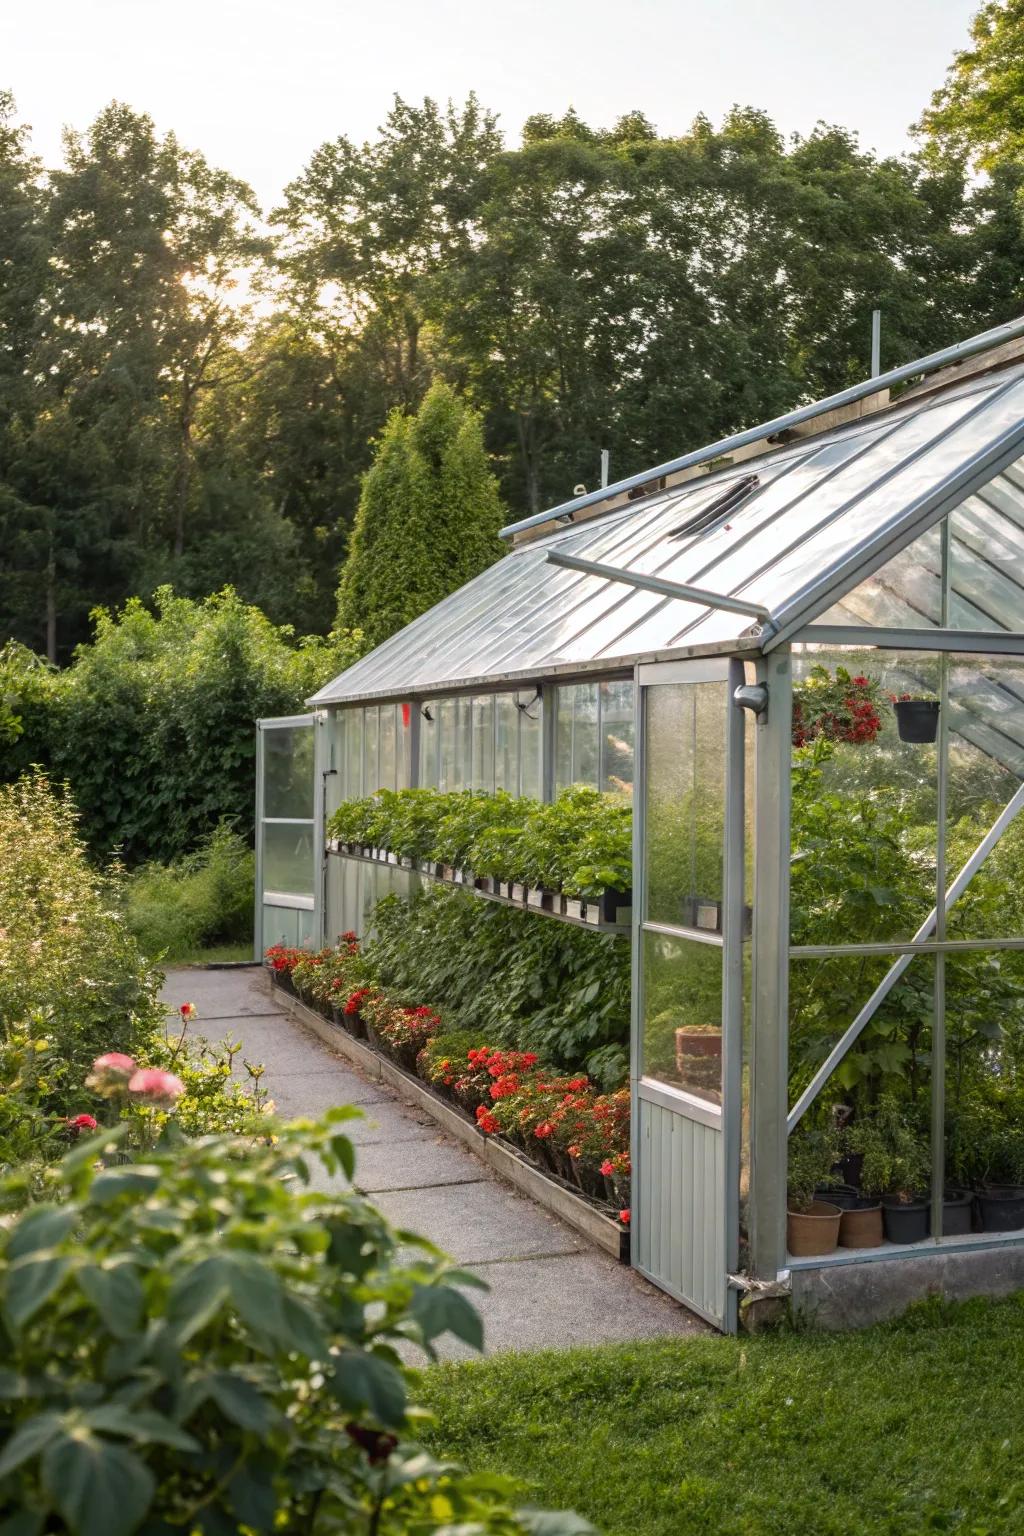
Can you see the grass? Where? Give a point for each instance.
(216, 954)
(905, 1428)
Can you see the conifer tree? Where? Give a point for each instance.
(428, 516)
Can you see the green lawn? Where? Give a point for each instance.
(216, 954)
(912, 1427)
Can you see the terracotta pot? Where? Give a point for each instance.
(861, 1225)
(814, 1231)
(698, 1042)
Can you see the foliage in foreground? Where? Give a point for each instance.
(153, 725)
(900, 1430)
(202, 1342)
(203, 900)
(70, 971)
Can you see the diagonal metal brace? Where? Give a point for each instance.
(1009, 812)
(658, 584)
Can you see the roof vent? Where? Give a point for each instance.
(727, 502)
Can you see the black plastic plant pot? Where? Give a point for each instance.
(1001, 1208)
(957, 1210)
(905, 1221)
(612, 904)
(843, 1195)
(917, 719)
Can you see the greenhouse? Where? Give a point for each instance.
(798, 655)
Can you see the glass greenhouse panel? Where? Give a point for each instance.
(371, 751)
(388, 748)
(617, 738)
(564, 698)
(483, 742)
(444, 714)
(531, 749)
(682, 1008)
(985, 1074)
(586, 760)
(288, 859)
(906, 593)
(405, 739)
(685, 817)
(353, 753)
(864, 801)
(429, 739)
(288, 771)
(506, 750)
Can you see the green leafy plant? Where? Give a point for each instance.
(897, 1160)
(203, 1341)
(203, 900)
(813, 1152)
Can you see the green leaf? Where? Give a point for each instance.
(362, 1380)
(140, 1424)
(31, 1282)
(26, 1442)
(195, 1296)
(43, 1226)
(239, 1401)
(85, 1153)
(116, 1293)
(27, 1522)
(115, 1182)
(441, 1309)
(100, 1489)
(252, 1496)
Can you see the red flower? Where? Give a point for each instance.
(80, 1123)
(606, 1168)
(624, 1218)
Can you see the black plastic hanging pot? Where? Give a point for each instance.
(917, 719)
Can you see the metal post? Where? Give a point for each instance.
(605, 457)
(257, 929)
(732, 977)
(938, 1053)
(636, 1028)
(770, 1036)
(876, 343)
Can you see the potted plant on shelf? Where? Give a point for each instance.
(896, 1166)
(996, 1130)
(812, 1225)
(917, 719)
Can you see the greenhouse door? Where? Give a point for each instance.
(689, 925)
(288, 856)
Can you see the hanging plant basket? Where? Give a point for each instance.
(917, 720)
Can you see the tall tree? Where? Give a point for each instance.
(428, 517)
(978, 113)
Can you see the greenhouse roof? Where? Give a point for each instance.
(782, 537)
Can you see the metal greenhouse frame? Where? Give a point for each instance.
(885, 533)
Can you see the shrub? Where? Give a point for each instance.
(68, 963)
(153, 723)
(203, 900)
(216, 1364)
(897, 1159)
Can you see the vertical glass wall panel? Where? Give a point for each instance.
(430, 732)
(403, 717)
(288, 771)
(685, 820)
(986, 772)
(354, 754)
(585, 744)
(985, 1076)
(462, 748)
(682, 1011)
(371, 750)
(506, 748)
(531, 749)
(388, 748)
(445, 715)
(564, 700)
(483, 742)
(288, 859)
(864, 800)
(617, 732)
(338, 735)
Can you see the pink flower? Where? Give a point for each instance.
(153, 1083)
(187, 1011)
(110, 1073)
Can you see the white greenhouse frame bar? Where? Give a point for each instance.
(891, 533)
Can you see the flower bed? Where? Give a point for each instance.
(560, 1121)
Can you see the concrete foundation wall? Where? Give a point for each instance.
(842, 1296)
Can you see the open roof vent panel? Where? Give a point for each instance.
(730, 499)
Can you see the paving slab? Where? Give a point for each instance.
(480, 1221)
(429, 1163)
(549, 1286)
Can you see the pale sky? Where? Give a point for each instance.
(258, 84)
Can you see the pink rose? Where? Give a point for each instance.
(110, 1073)
(153, 1083)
